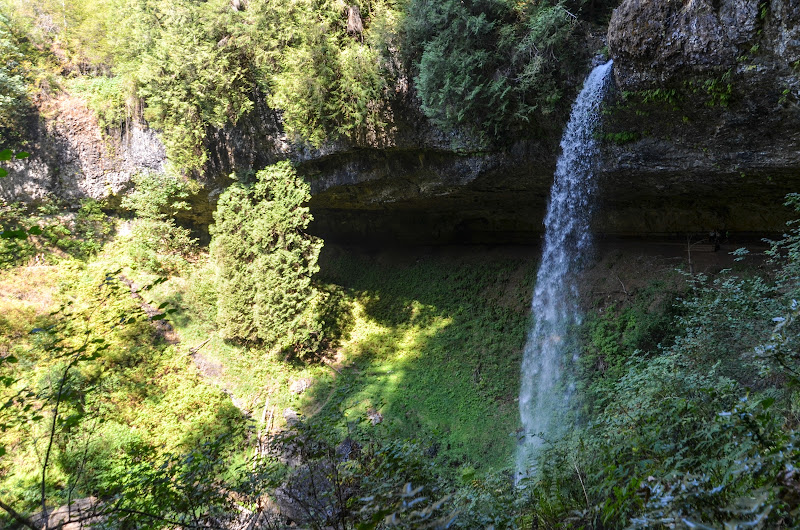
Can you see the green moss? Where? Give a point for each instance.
(621, 138)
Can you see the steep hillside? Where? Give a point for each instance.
(704, 113)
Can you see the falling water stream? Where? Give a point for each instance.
(544, 393)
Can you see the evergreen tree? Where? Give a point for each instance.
(13, 85)
(266, 261)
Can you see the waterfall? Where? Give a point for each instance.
(544, 393)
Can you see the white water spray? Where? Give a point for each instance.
(544, 394)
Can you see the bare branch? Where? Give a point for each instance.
(24, 521)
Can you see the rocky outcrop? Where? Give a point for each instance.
(426, 195)
(712, 97)
(702, 133)
(72, 158)
(664, 41)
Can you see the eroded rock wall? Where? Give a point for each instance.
(709, 93)
(72, 158)
(702, 133)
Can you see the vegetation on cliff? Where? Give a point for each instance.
(334, 70)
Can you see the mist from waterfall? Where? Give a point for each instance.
(544, 393)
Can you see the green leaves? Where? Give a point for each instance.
(7, 155)
(266, 261)
(328, 84)
(157, 242)
(189, 78)
(13, 79)
(487, 66)
(14, 234)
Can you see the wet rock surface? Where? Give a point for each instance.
(712, 114)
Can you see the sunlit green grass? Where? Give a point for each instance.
(435, 348)
(431, 344)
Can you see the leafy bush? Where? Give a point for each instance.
(105, 96)
(51, 231)
(359, 481)
(754, 486)
(16, 246)
(266, 262)
(201, 291)
(157, 243)
(96, 394)
(13, 84)
(615, 336)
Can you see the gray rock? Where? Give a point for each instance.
(301, 385)
(291, 416)
(698, 163)
(71, 158)
(374, 415)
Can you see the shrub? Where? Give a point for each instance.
(51, 231)
(360, 481)
(487, 65)
(266, 262)
(157, 243)
(13, 84)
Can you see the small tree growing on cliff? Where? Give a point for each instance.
(266, 261)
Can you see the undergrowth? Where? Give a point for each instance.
(688, 410)
(52, 231)
(125, 394)
(430, 347)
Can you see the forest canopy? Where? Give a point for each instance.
(333, 69)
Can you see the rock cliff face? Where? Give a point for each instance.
(713, 97)
(72, 159)
(702, 133)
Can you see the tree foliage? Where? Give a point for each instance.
(266, 261)
(332, 68)
(331, 83)
(489, 65)
(13, 82)
(157, 243)
(188, 76)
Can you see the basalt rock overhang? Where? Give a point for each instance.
(712, 103)
(430, 196)
(438, 198)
